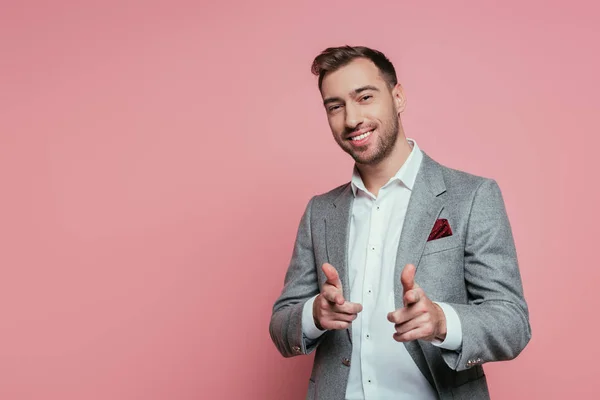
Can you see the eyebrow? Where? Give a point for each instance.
(355, 92)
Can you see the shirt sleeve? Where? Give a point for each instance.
(309, 329)
(453, 339)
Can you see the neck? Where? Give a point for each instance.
(375, 176)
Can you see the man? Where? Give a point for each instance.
(404, 280)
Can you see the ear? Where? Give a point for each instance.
(399, 98)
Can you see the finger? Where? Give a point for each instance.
(339, 299)
(335, 324)
(332, 275)
(407, 278)
(344, 317)
(333, 295)
(348, 308)
(341, 324)
(412, 296)
(411, 324)
(400, 316)
(423, 332)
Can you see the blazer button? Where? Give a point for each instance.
(296, 349)
(346, 362)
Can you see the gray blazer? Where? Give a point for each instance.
(475, 271)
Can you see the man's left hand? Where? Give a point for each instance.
(420, 318)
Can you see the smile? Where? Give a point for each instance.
(361, 137)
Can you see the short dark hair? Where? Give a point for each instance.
(334, 58)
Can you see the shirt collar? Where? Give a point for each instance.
(407, 174)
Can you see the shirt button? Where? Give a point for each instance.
(368, 336)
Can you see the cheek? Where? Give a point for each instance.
(336, 124)
(374, 112)
(383, 111)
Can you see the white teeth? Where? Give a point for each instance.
(361, 137)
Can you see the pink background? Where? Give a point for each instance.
(155, 159)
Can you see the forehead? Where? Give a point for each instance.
(358, 73)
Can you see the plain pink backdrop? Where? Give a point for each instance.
(155, 159)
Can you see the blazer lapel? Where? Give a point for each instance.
(424, 207)
(337, 227)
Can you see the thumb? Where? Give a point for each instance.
(332, 275)
(408, 278)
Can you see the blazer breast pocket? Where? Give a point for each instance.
(443, 244)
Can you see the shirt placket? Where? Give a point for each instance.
(370, 293)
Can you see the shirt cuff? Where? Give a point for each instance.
(453, 339)
(309, 329)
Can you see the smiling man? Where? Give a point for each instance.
(404, 280)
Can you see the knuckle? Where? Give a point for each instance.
(401, 315)
(343, 325)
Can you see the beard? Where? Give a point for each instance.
(384, 143)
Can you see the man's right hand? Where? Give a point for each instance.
(330, 309)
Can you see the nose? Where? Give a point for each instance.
(353, 117)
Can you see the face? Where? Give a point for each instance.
(363, 111)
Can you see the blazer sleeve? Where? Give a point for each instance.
(495, 320)
(300, 284)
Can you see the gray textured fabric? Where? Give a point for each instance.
(475, 271)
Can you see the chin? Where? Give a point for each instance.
(364, 159)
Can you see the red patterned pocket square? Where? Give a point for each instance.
(440, 229)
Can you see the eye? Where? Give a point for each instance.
(333, 108)
(366, 97)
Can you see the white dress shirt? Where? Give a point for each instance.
(380, 367)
